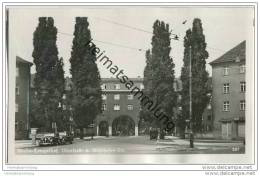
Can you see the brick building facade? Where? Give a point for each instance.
(119, 106)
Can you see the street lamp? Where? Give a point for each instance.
(190, 92)
(70, 118)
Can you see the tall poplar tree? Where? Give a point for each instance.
(49, 77)
(145, 114)
(194, 43)
(85, 77)
(159, 74)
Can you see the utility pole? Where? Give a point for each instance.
(190, 92)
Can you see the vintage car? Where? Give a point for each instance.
(49, 139)
(55, 139)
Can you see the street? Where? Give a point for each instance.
(133, 145)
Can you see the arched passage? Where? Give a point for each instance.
(103, 128)
(123, 126)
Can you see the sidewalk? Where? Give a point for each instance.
(174, 139)
(184, 142)
(177, 144)
(23, 144)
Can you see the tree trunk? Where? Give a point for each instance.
(92, 133)
(81, 133)
(182, 132)
(162, 134)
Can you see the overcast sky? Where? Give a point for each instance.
(223, 27)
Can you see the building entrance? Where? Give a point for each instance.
(123, 126)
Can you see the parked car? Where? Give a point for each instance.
(55, 139)
(49, 140)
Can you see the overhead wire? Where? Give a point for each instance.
(109, 43)
(175, 36)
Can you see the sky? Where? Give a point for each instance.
(129, 29)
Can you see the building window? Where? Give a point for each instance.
(130, 107)
(242, 69)
(117, 97)
(243, 86)
(104, 96)
(141, 86)
(130, 97)
(116, 107)
(226, 106)
(16, 108)
(117, 86)
(226, 88)
(17, 91)
(225, 71)
(17, 71)
(103, 86)
(242, 105)
(104, 107)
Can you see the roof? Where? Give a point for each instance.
(238, 51)
(139, 79)
(19, 59)
(68, 81)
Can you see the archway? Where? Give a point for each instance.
(103, 128)
(123, 126)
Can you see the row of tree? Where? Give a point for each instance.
(85, 95)
(49, 83)
(159, 77)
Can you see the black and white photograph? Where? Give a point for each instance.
(130, 84)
